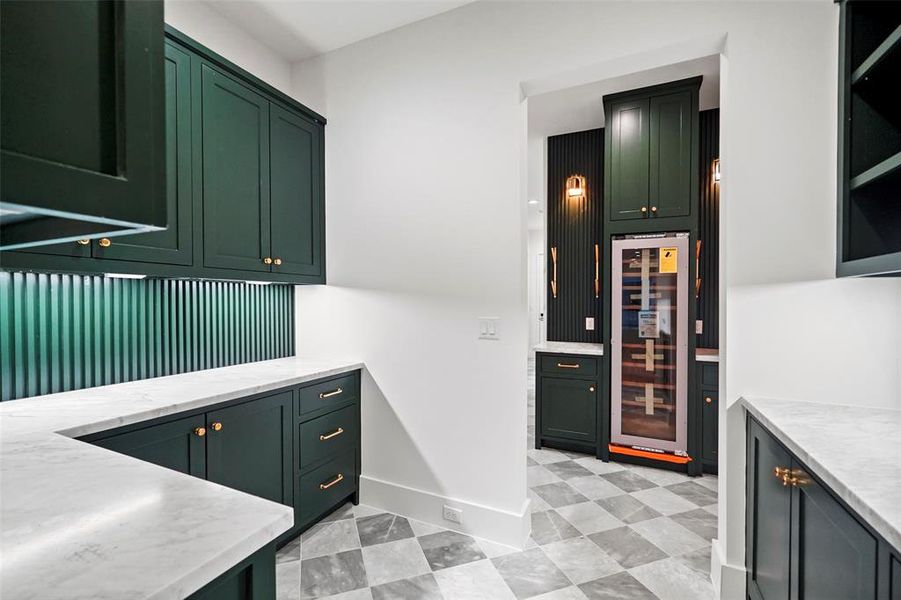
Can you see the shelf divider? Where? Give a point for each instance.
(874, 173)
(890, 44)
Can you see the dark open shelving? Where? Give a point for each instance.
(869, 187)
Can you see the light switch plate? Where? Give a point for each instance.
(589, 323)
(488, 328)
(699, 326)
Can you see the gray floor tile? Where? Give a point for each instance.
(289, 552)
(588, 517)
(708, 481)
(345, 511)
(423, 587)
(598, 466)
(697, 560)
(329, 537)
(621, 586)
(530, 462)
(568, 469)
(546, 455)
(627, 509)
(378, 529)
(694, 492)
(594, 487)
(698, 521)
(627, 547)
(450, 549)
(671, 579)
(393, 561)
(559, 494)
(581, 560)
(473, 581)
(663, 501)
(332, 574)
(541, 475)
(287, 580)
(530, 573)
(669, 536)
(549, 526)
(628, 481)
(659, 476)
(567, 593)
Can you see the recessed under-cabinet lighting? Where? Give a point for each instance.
(124, 276)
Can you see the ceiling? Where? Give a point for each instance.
(301, 29)
(581, 107)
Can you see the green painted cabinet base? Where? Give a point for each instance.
(251, 579)
(566, 402)
(707, 392)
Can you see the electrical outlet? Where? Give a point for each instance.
(699, 327)
(589, 323)
(488, 328)
(454, 515)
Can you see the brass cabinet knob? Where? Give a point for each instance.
(83, 242)
(105, 243)
(200, 431)
(277, 261)
(591, 389)
(644, 209)
(267, 261)
(217, 426)
(653, 209)
(708, 399)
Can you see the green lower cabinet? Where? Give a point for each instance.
(179, 445)
(566, 402)
(250, 447)
(802, 541)
(252, 579)
(708, 400)
(325, 486)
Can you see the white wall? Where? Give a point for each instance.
(425, 144)
(201, 22)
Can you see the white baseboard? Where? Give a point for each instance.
(728, 580)
(492, 524)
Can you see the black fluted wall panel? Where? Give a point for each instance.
(708, 303)
(574, 227)
(67, 332)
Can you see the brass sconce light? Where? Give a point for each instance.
(716, 170)
(575, 187)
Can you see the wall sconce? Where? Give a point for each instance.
(575, 187)
(716, 170)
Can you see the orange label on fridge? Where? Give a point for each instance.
(668, 260)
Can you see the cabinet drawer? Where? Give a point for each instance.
(328, 393)
(710, 374)
(328, 435)
(324, 486)
(564, 364)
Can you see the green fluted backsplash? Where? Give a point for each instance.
(67, 332)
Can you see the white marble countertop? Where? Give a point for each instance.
(854, 450)
(80, 521)
(707, 355)
(571, 348)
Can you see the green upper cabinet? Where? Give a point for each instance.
(81, 87)
(250, 447)
(651, 157)
(172, 246)
(628, 145)
(296, 170)
(671, 148)
(234, 158)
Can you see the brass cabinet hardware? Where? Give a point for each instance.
(200, 431)
(324, 395)
(105, 243)
(338, 479)
(597, 271)
(277, 261)
(554, 272)
(217, 426)
(83, 242)
(781, 472)
(708, 399)
(568, 365)
(591, 388)
(328, 436)
(653, 209)
(644, 209)
(697, 269)
(267, 261)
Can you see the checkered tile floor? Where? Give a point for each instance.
(599, 531)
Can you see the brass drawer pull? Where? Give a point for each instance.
(200, 431)
(325, 395)
(217, 426)
(328, 436)
(338, 479)
(568, 365)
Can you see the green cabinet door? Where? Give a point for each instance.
(177, 445)
(82, 120)
(833, 556)
(296, 193)
(172, 246)
(234, 168)
(628, 145)
(251, 579)
(569, 408)
(768, 511)
(670, 168)
(250, 447)
(709, 426)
